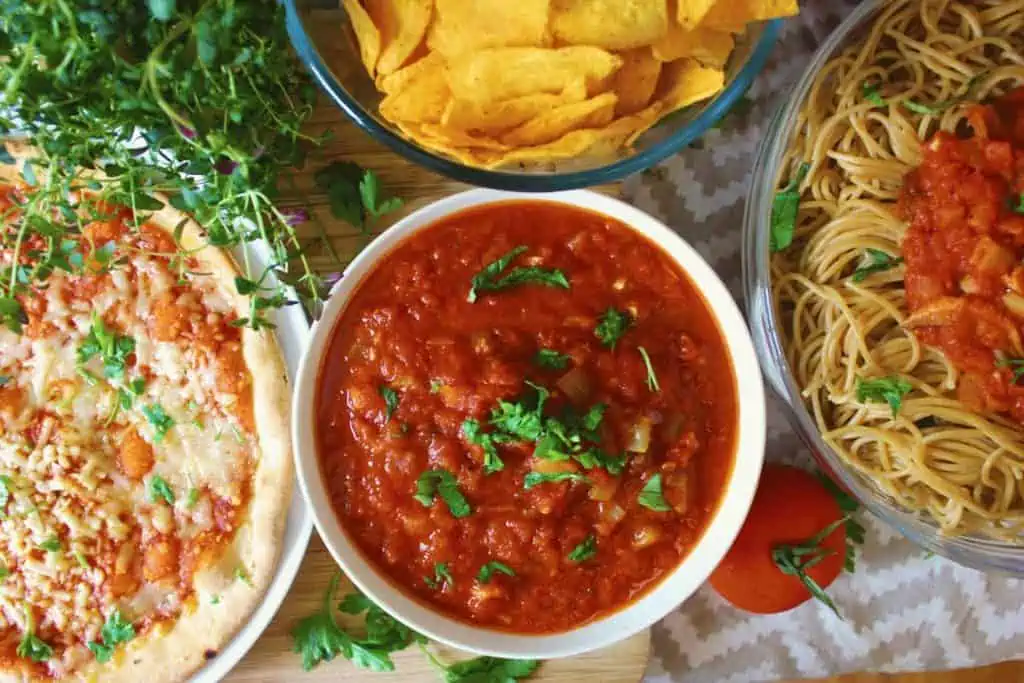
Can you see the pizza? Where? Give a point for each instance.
(145, 463)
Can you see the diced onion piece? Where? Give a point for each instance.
(1015, 303)
(603, 487)
(639, 436)
(575, 385)
(611, 513)
(676, 490)
(646, 536)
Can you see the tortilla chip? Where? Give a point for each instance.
(684, 82)
(402, 25)
(503, 115)
(689, 13)
(555, 123)
(366, 32)
(709, 46)
(636, 81)
(457, 138)
(418, 93)
(611, 24)
(463, 26)
(732, 15)
(507, 72)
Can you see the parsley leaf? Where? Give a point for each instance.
(489, 670)
(612, 325)
(536, 478)
(161, 421)
(160, 489)
(490, 568)
(551, 359)
(652, 379)
(871, 94)
(795, 559)
(390, 397)
(5, 491)
(878, 261)
(785, 210)
(651, 496)
(1015, 364)
(522, 419)
(488, 442)
(318, 638)
(115, 631)
(585, 550)
(442, 576)
(437, 482)
(369, 193)
(488, 280)
(341, 181)
(891, 390)
(382, 630)
(31, 647)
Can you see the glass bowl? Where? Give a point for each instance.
(969, 550)
(324, 41)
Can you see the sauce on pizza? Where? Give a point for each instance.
(127, 442)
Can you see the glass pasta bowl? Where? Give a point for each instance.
(325, 42)
(846, 242)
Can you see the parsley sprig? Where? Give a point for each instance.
(113, 349)
(115, 631)
(32, 646)
(442, 483)
(797, 558)
(889, 390)
(491, 279)
(785, 210)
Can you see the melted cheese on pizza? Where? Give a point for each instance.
(126, 447)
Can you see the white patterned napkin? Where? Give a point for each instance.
(903, 611)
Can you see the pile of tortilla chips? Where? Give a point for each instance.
(498, 82)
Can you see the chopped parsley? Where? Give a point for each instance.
(651, 496)
(390, 397)
(936, 108)
(652, 379)
(113, 349)
(612, 325)
(889, 390)
(243, 576)
(585, 550)
(51, 545)
(488, 442)
(1016, 205)
(551, 359)
(878, 261)
(442, 576)
(5, 491)
(536, 478)
(115, 631)
(437, 482)
(215, 600)
(31, 647)
(160, 420)
(4, 572)
(871, 94)
(436, 385)
(491, 568)
(484, 669)
(160, 489)
(490, 279)
(785, 210)
(192, 498)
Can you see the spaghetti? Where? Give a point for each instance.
(839, 288)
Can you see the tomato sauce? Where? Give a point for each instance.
(570, 549)
(963, 251)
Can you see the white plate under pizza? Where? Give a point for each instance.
(148, 527)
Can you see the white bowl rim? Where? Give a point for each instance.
(636, 616)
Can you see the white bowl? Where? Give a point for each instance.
(656, 603)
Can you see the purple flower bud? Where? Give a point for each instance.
(295, 216)
(225, 166)
(187, 132)
(331, 279)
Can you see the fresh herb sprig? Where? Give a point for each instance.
(198, 101)
(855, 531)
(493, 277)
(889, 390)
(878, 262)
(785, 210)
(797, 558)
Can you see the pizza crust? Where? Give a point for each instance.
(172, 651)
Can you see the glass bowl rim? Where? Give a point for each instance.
(711, 113)
(969, 549)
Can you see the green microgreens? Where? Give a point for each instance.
(796, 559)
(889, 390)
(115, 631)
(489, 569)
(785, 210)
(551, 359)
(437, 482)
(113, 349)
(490, 279)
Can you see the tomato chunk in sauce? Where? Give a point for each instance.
(513, 462)
(964, 248)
